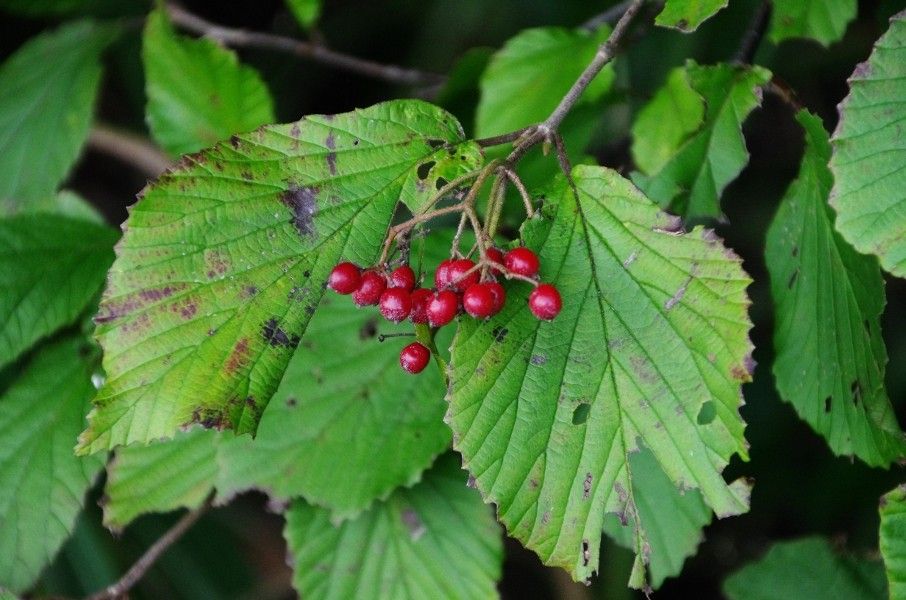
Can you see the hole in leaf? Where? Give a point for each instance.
(580, 415)
(441, 182)
(706, 413)
(424, 169)
(827, 404)
(855, 388)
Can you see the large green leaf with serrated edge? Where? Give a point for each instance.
(198, 92)
(806, 568)
(868, 160)
(47, 93)
(160, 477)
(526, 79)
(225, 257)
(830, 353)
(435, 540)
(653, 335)
(824, 21)
(687, 15)
(42, 483)
(51, 268)
(893, 540)
(671, 522)
(694, 127)
(344, 406)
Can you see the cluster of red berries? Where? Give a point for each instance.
(457, 287)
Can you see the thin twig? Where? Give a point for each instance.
(310, 50)
(519, 185)
(752, 37)
(608, 16)
(120, 588)
(505, 138)
(132, 149)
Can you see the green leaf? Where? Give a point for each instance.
(824, 21)
(806, 568)
(671, 521)
(47, 93)
(436, 540)
(893, 540)
(344, 408)
(830, 353)
(198, 92)
(160, 477)
(687, 142)
(51, 268)
(687, 15)
(653, 336)
(526, 79)
(869, 179)
(224, 261)
(306, 12)
(42, 483)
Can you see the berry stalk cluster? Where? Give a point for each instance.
(461, 286)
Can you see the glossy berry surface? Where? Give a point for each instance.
(459, 281)
(372, 286)
(499, 295)
(345, 278)
(495, 256)
(545, 302)
(402, 277)
(395, 304)
(420, 298)
(522, 261)
(442, 308)
(442, 274)
(414, 358)
(478, 300)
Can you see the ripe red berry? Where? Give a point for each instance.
(345, 278)
(420, 298)
(370, 289)
(478, 300)
(414, 358)
(499, 296)
(395, 304)
(495, 256)
(442, 307)
(403, 277)
(442, 274)
(522, 261)
(544, 302)
(459, 281)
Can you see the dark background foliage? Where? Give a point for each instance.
(801, 489)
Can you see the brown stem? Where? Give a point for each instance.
(752, 38)
(120, 588)
(131, 149)
(310, 50)
(519, 185)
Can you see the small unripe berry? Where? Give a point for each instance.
(395, 304)
(442, 308)
(370, 289)
(459, 281)
(522, 261)
(345, 278)
(478, 300)
(414, 358)
(420, 298)
(544, 302)
(403, 277)
(499, 296)
(442, 274)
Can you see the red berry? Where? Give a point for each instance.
(544, 302)
(478, 300)
(370, 290)
(495, 256)
(499, 295)
(442, 274)
(403, 277)
(522, 261)
(414, 358)
(442, 307)
(420, 298)
(395, 304)
(459, 281)
(345, 278)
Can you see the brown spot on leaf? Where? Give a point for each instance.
(275, 336)
(499, 333)
(249, 291)
(331, 144)
(238, 358)
(586, 485)
(217, 263)
(302, 201)
(368, 329)
(292, 402)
